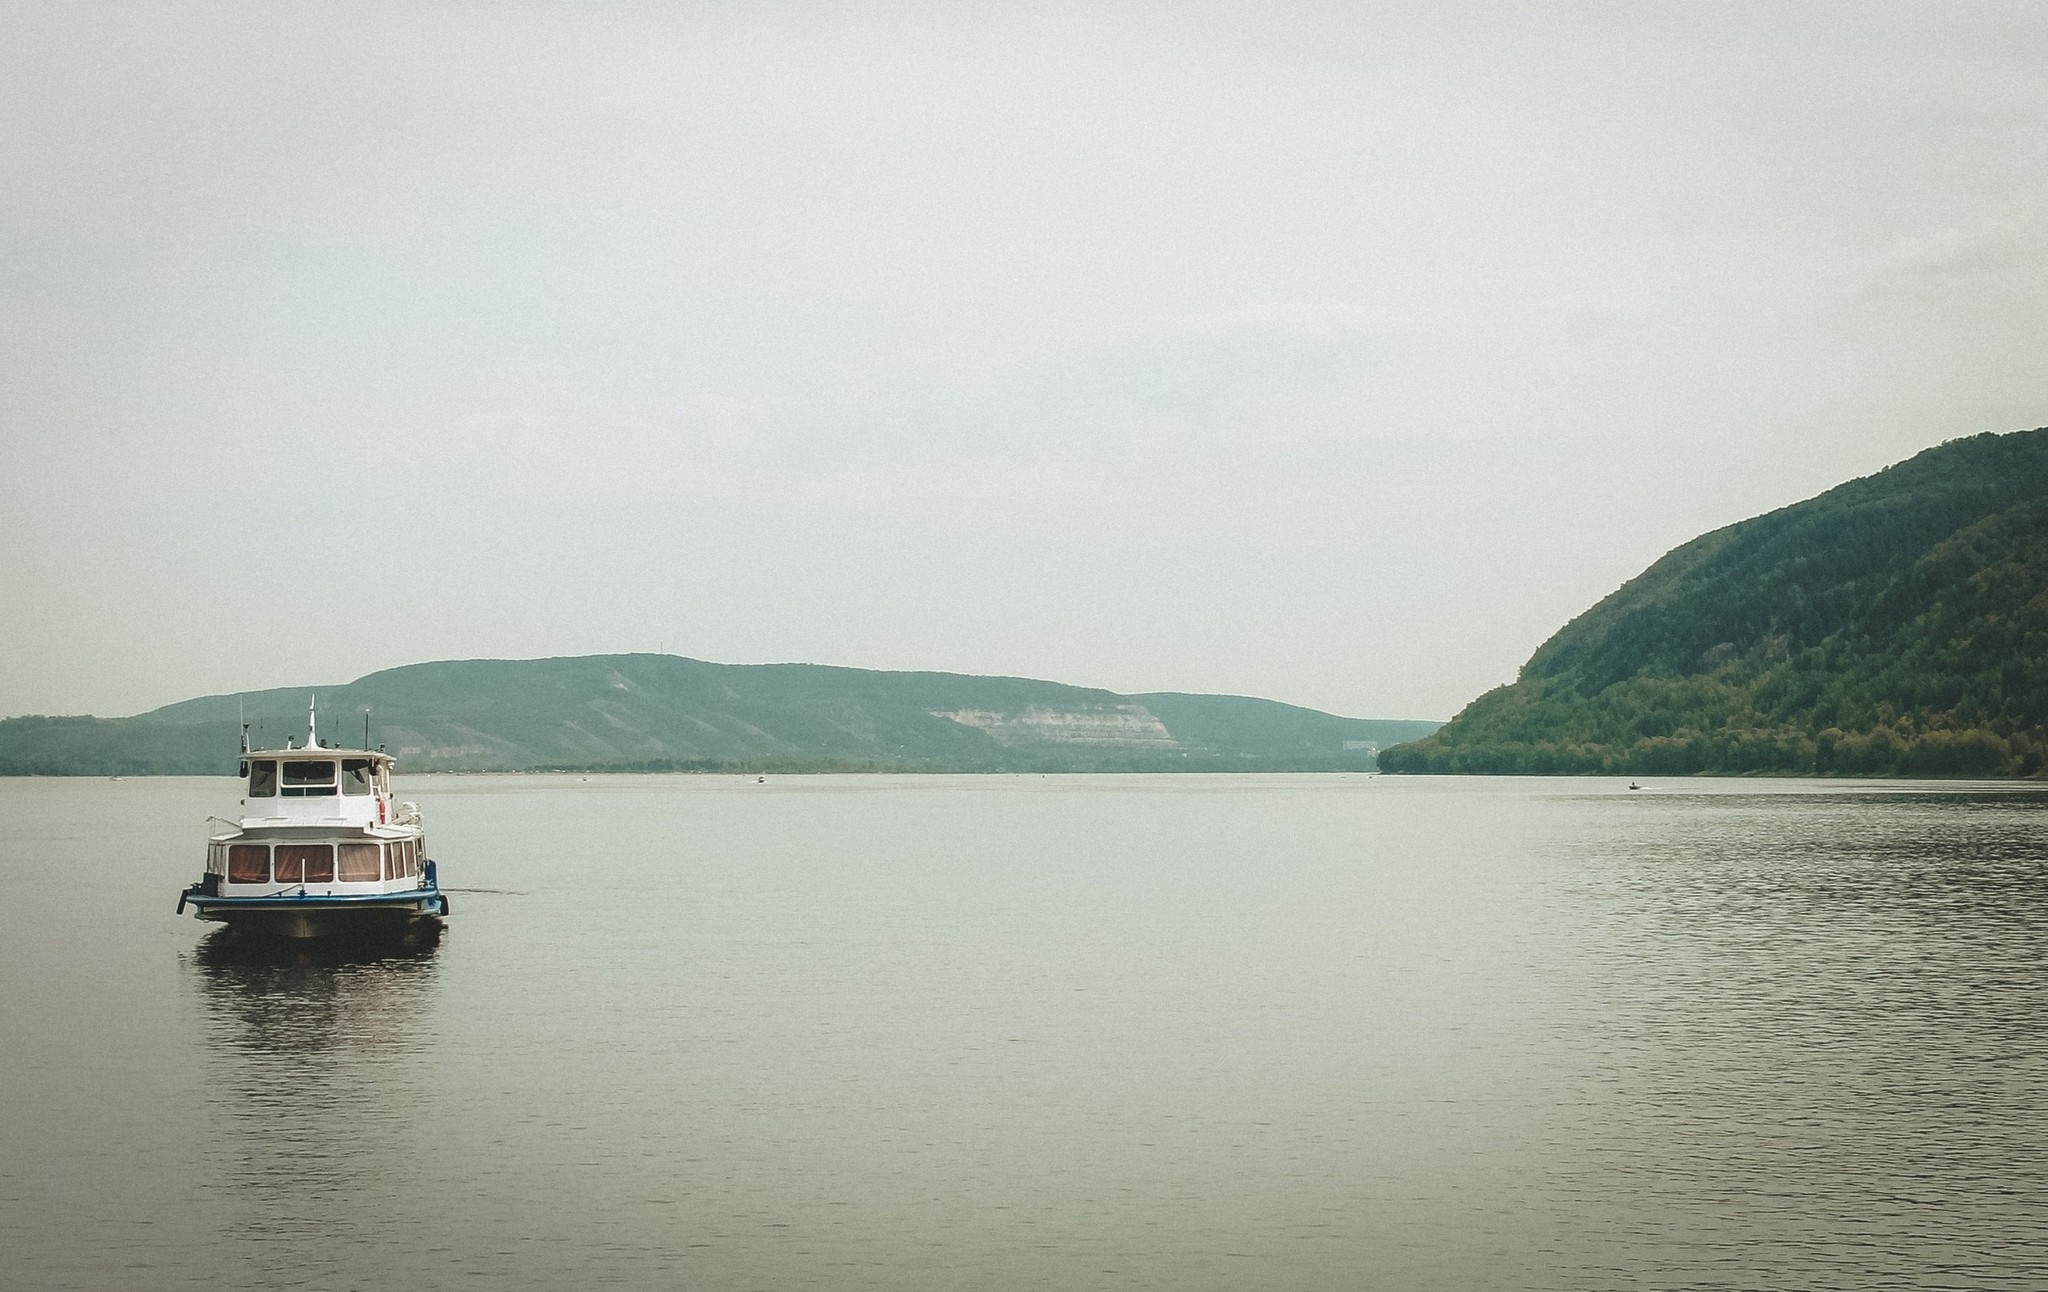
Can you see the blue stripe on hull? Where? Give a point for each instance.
(297, 902)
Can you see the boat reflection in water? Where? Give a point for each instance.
(315, 1094)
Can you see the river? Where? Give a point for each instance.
(1051, 1032)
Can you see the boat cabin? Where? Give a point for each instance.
(351, 786)
(369, 861)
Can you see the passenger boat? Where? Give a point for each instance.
(320, 848)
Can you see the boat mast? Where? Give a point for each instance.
(312, 723)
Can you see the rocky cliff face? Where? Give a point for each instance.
(1128, 726)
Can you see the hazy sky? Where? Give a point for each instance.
(1334, 353)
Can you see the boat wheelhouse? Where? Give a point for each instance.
(320, 849)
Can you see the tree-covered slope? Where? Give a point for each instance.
(655, 712)
(1897, 624)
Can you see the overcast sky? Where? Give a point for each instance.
(1333, 353)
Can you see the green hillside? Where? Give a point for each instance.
(663, 712)
(1896, 625)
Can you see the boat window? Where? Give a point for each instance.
(308, 779)
(263, 778)
(305, 863)
(358, 863)
(355, 776)
(412, 857)
(249, 863)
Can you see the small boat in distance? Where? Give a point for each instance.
(320, 848)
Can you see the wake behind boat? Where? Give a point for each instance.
(320, 849)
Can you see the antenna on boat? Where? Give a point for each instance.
(242, 718)
(312, 722)
(366, 726)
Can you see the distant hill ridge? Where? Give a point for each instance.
(665, 712)
(1897, 624)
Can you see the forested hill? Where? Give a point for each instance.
(1897, 624)
(664, 712)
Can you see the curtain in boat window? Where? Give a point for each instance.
(249, 863)
(358, 863)
(305, 863)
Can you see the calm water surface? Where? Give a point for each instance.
(994, 1032)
